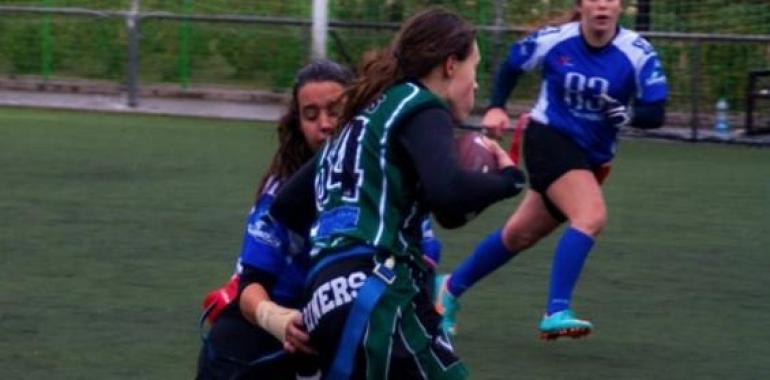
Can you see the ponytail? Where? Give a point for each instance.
(425, 41)
(378, 70)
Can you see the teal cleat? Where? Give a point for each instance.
(446, 305)
(562, 324)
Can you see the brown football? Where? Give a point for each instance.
(473, 155)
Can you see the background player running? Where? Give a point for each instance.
(592, 69)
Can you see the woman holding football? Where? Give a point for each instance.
(393, 162)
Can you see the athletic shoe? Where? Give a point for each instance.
(564, 323)
(446, 304)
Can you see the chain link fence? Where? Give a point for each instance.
(708, 47)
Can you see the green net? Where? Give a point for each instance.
(261, 55)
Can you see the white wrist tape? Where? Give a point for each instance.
(274, 318)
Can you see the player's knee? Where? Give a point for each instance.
(516, 241)
(591, 224)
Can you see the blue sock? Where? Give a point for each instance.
(571, 254)
(489, 255)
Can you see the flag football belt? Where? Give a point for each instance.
(360, 251)
(217, 300)
(333, 257)
(368, 295)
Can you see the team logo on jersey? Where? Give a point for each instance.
(657, 76)
(641, 43)
(565, 60)
(262, 231)
(339, 219)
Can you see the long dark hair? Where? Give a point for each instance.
(293, 149)
(425, 40)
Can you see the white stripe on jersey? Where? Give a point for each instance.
(628, 42)
(383, 163)
(271, 186)
(547, 41)
(412, 352)
(538, 113)
(412, 214)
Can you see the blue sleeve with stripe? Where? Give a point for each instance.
(652, 82)
(265, 240)
(430, 245)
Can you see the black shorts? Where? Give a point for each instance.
(233, 346)
(327, 328)
(548, 155)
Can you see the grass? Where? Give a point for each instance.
(113, 227)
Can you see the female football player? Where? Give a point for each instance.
(253, 317)
(592, 69)
(392, 163)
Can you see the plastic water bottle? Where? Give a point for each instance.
(721, 125)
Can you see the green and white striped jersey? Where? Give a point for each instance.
(362, 195)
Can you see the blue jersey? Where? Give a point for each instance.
(575, 76)
(271, 247)
(430, 245)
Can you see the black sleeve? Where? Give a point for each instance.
(649, 116)
(251, 275)
(294, 204)
(503, 83)
(453, 195)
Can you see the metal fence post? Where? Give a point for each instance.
(644, 8)
(132, 66)
(497, 43)
(320, 27)
(184, 46)
(695, 90)
(46, 55)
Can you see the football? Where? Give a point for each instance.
(473, 154)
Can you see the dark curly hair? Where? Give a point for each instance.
(293, 149)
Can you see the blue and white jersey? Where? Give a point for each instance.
(271, 247)
(575, 75)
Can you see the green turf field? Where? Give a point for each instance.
(112, 228)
